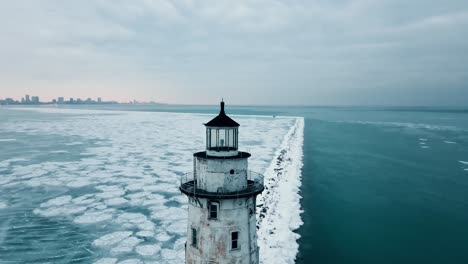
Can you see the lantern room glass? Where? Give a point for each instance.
(221, 139)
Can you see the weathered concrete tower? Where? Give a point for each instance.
(222, 192)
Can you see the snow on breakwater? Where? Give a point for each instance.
(279, 206)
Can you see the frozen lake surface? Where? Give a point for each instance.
(83, 186)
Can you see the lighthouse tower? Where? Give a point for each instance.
(221, 193)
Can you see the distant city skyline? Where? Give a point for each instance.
(50, 98)
(350, 52)
(36, 100)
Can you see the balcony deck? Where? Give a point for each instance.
(254, 187)
(204, 155)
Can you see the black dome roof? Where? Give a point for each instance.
(222, 120)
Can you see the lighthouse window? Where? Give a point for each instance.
(221, 139)
(213, 210)
(194, 237)
(234, 240)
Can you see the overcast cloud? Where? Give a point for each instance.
(332, 52)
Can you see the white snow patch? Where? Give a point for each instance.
(463, 162)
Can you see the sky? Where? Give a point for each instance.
(315, 52)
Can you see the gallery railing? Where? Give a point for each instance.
(188, 185)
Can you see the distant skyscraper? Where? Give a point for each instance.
(26, 99)
(71, 100)
(61, 100)
(99, 100)
(35, 99)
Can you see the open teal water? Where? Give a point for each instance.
(385, 186)
(380, 185)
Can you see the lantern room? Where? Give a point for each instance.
(222, 135)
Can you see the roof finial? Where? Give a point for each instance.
(222, 107)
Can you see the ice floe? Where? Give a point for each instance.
(112, 239)
(106, 261)
(95, 216)
(145, 234)
(125, 245)
(60, 211)
(163, 236)
(131, 261)
(116, 201)
(135, 220)
(57, 201)
(178, 227)
(148, 250)
(3, 205)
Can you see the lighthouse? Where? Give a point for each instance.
(221, 195)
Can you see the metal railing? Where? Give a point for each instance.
(254, 186)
